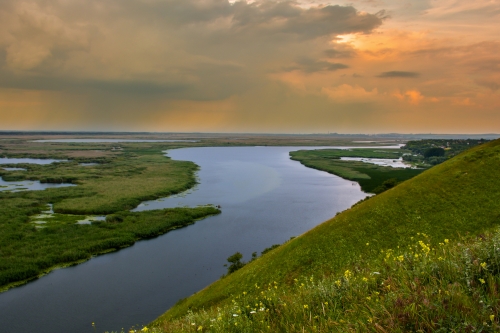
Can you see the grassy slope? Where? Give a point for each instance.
(459, 196)
(369, 176)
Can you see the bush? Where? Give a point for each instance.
(235, 261)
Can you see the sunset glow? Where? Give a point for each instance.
(251, 66)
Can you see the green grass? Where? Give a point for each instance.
(28, 252)
(117, 184)
(424, 287)
(455, 198)
(369, 176)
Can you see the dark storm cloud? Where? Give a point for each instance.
(209, 48)
(398, 74)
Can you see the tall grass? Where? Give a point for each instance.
(423, 287)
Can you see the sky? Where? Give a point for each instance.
(308, 66)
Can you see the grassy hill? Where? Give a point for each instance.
(459, 198)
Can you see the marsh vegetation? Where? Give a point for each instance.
(372, 178)
(113, 185)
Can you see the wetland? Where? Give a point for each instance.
(265, 198)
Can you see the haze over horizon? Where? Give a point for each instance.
(308, 66)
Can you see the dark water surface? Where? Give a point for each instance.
(109, 140)
(266, 198)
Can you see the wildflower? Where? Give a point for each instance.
(365, 279)
(483, 265)
(400, 258)
(482, 281)
(200, 328)
(219, 318)
(416, 255)
(492, 317)
(369, 298)
(338, 283)
(446, 241)
(440, 259)
(347, 274)
(306, 306)
(244, 293)
(145, 329)
(367, 244)
(311, 279)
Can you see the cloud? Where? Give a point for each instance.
(347, 93)
(401, 74)
(493, 85)
(411, 96)
(190, 49)
(340, 53)
(310, 66)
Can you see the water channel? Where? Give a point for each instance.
(266, 198)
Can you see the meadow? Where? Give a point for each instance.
(420, 256)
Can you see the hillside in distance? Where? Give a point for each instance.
(458, 198)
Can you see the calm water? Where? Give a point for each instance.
(5, 160)
(266, 198)
(31, 185)
(28, 185)
(109, 140)
(395, 163)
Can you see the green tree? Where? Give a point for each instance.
(236, 263)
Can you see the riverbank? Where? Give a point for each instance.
(113, 184)
(458, 197)
(370, 177)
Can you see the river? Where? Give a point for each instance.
(265, 199)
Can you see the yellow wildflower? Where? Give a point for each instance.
(492, 317)
(483, 265)
(482, 281)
